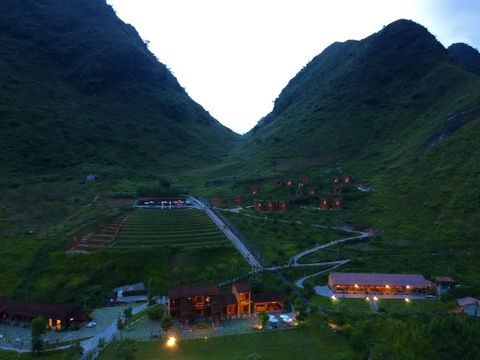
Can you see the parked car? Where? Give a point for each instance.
(91, 324)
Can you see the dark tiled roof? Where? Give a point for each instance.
(378, 279)
(193, 290)
(467, 301)
(242, 287)
(444, 279)
(34, 309)
(228, 299)
(272, 296)
(216, 305)
(5, 303)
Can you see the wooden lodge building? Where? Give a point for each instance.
(238, 200)
(204, 301)
(22, 312)
(271, 205)
(381, 283)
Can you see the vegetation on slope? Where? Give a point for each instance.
(82, 93)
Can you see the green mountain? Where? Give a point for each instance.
(467, 56)
(80, 92)
(394, 111)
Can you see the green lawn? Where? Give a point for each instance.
(308, 341)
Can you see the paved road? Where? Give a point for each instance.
(235, 241)
(299, 282)
(295, 258)
(108, 333)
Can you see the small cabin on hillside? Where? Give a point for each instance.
(290, 182)
(93, 178)
(283, 205)
(299, 192)
(469, 306)
(337, 190)
(312, 191)
(336, 179)
(337, 204)
(324, 203)
(271, 205)
(259, 205)
(306, 180)
(255, 190)
(347, 179)
(279, 182)
(238, 200)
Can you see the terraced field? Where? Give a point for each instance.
(149, 227)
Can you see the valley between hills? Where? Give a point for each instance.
(94, 126)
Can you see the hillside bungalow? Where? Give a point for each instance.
(93, 178)
(389, 283)
(22, 312)
(290, 182)
(347, 179)
(324, 203)
(336, 179)
(255, 190)
(299, 192)
(279, 182)
(283, 205)
(271, 205)
(312, 191)
(337, 204)
(238, 200)
(201, 301)
(306, 180)
(337, 190)
(259, 205)
(469, 306)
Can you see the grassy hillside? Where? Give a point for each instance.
(80, 92)
(394, 111)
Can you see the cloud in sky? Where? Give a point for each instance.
(235, 57)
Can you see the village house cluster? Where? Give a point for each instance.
(192, 302)
(325, 203)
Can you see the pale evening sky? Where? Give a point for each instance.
(235, 57)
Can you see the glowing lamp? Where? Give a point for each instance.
(171, 341)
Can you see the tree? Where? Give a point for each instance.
(253, 356)
(156, 312)
(263, 317)
(166, 323)
(127, 314)
(39, 327)
(125, 349)
(300, 309)
(120, 326)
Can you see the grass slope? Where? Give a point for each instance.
(82, 93)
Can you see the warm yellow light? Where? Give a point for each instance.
(408, 287)
(356, 285)
(406, 299)
(171, 341)
(366, 298)
(375, 298)
(333, 297)
(387, 286)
